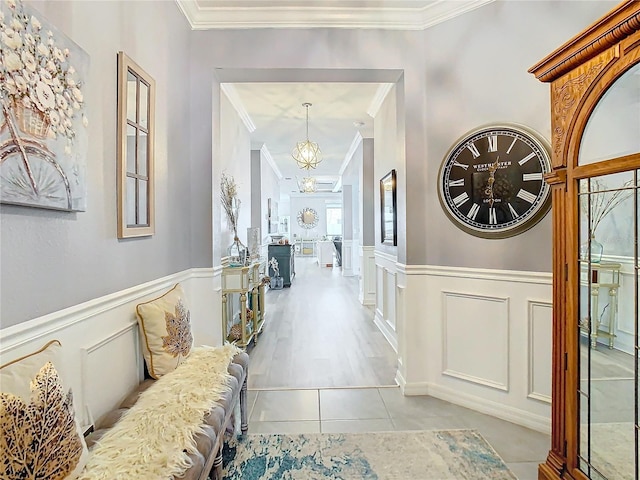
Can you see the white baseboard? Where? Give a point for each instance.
(478, 404)
(386, 330)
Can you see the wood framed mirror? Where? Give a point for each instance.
(135, 183)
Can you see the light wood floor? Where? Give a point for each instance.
(318, 335)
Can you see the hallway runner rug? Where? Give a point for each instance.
(419, 455)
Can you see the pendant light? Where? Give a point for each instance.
(307, 154)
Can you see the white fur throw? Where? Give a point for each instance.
(152, 439)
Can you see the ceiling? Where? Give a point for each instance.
(273, 112)
(276, 119)
(388, 14)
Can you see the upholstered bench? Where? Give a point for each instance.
(206, 462)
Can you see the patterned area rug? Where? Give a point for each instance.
(424, 455)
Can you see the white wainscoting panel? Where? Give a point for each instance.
(119, 351)
(540, 350)
(466, 319)
(92, 331)
(367, 295)
(472, 337)
(385, 310)
(625, 325)
(347, 258)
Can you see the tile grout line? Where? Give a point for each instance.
(319, 413)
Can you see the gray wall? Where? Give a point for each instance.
(52, 260)
(270, 188)
(466, 72)
(235, 161)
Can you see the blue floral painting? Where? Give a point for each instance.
(43, 123)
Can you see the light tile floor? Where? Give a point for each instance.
(386, 409)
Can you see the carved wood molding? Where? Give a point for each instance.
(556, 177)
(609, 31)
(566, 94)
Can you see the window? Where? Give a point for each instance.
(334, 220)
(136, 96)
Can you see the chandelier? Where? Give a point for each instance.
(307, 154)
(309, 185)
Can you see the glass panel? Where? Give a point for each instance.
(612, 129)
(143, 142)
(131, 201)
(142, 203)
(608, 322)
(131, 96)
(583, 425)
(144, 104)
(131, 149)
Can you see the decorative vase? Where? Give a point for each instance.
(237, 253)
(591, 249)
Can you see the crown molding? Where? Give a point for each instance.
(357, 139)
(232, 94)
(266, 154)
(412, 15)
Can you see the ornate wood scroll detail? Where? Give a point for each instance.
(566, 94)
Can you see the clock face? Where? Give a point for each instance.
(491, 182)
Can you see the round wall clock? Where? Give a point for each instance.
(491, 181)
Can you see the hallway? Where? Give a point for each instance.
(318, 335)
(318, 349)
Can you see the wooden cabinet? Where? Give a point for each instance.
(595, 125)
(243, 303)
(285, 255)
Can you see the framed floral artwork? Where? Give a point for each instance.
(43, 122)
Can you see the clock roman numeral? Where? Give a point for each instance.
(527, 158)
(493, 220)
(526, 177)
(456, 183)
(473, 211)
(462, 165)
(511, 146)
(514, 214)
(493, 143)
(526, 196)
(461, 199)
(474, 150)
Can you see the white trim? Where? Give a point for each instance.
(367, 294)
(386, 258)
(479, 404)
(357, 140)
(231, 93)
(347, 258)
(378, 98)
(542, 278)
(267, 156)
(17, 335)
(415, 15)
(85, 374)
(531, 393)
(504, 386)
(386, 329)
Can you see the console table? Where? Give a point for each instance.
(247, 284)
(604, 276)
